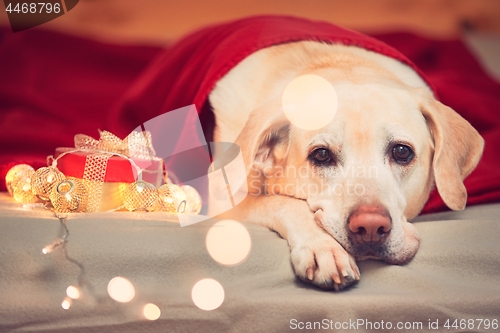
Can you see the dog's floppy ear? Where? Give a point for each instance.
(266, 128)
(457, 150)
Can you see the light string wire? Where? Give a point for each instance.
(61, 240)
(80, 279)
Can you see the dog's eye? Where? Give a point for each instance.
(402, 154)
(321, 156)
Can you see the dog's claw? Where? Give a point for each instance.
(324, 263)
(349, 279)
(310, 273)
(357, 274)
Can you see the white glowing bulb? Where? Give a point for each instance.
(66, 303)
(228, 242)
(121, 289)
(151, 311)
(54, 245)
(73, 292)
(193, 201)
(50, 177)
(207, 294)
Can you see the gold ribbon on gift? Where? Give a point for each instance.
(136, 145)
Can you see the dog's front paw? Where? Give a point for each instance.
(324, 263)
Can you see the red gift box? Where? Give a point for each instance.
(118, 170)
(107, 165)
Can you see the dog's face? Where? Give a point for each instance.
(363, 173)
(371, 168)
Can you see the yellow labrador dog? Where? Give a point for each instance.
(342, 187)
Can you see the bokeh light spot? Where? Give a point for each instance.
(151, 311)
(310, 102)
(207, 294)
(121, 289)
(73, 292)
(66, 303)
(228, 242)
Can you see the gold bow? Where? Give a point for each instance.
(135, 145)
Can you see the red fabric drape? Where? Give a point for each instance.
(54, 86)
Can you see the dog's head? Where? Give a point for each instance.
(371, 168)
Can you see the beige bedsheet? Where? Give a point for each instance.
(455, 275)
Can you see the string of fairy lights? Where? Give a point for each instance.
(70, 194)
(51, 189)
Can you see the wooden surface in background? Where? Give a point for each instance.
(156, 21)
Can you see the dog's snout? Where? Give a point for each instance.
(369, 224)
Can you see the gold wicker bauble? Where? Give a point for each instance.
(44, 180)
(156, 206)
(140, 196)
(193, 200)
(172, 198)
(22, 191)
(17, 173)
(69, 195)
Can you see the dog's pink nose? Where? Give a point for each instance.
(369, 224)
